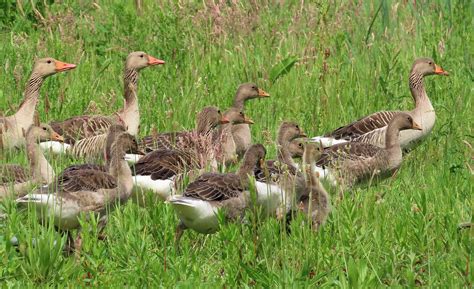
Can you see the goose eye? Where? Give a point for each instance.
(218, 111)
(430, 63)
(45, 128)
(300, 145)
(49, 61)
(297, 127)
(143, 55)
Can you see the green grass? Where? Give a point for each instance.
(352, 60)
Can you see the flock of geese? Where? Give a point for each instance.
(118, 165)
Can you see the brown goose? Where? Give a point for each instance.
(158, 169)
(207, 120)
(80, 127)
(241, 132)
(279, 184)
(316, 203)
(355, 161)
(228, 150)
(288, 135)
(15, 179)
(13, 128)
(86, 190)
(197, 208)
(372, 128)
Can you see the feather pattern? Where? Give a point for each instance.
(215, 187)
(363, 125)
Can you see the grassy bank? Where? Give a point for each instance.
(353, 59)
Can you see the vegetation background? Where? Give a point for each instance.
(325, 64)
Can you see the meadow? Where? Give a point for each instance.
(325, 63)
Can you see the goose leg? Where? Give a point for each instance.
(70, 244)
(101, 226)
(78, 245)
(179, 233)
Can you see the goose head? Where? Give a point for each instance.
(209, 118)
(43, 132)
(236, 116)
(138, 60)
(296, 148)
(404, 121)
(248, 91)
(49, 66)
(118, 137)
(427, 66)
(289, 131)
(254, 157)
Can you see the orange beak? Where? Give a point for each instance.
(416, 126)
(224, 120)
(248, 120)
(154, 61)
(63, 66)
(263, 93)
(57, 137)
(440, 71)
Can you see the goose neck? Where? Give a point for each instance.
(30, 100)
(418, 91)
(41, 170)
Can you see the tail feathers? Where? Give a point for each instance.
(132, 158)
(327, 141)
(180, 200)
(55, 147)
(36, 198)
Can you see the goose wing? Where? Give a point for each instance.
(84, 180)
(167, 140)
(273, 169)
(354, 151)
(10, 173)
(80, 127)
(164, 163)
(215, 187)
(363, 125)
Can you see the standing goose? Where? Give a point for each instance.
(281, 181)
(197, 208)
(16, 179)
(372, 128)
(88, 190)
(316, 203)
(13, 128)
(207, 120)
(241, 132)
(158, 169)
(85, 126)
(355, 161)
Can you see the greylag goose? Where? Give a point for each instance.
(228, 148)
(207, 120)
(198, 207)
(355, 161)
(372, 128)
(13, 128)
(316, 203)
(296, 148)
(278, 183)
(158, 169)
(15, 179)
(86, 190)
(241, 132)
(85, 126)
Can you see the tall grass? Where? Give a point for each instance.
(353, 59)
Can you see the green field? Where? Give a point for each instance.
(352, 59)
